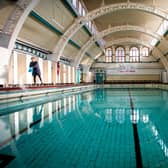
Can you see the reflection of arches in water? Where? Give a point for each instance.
(50, 111)
(58, 109)
(108, 115)
(157, 136)
(145, 118)
(70, 103)
(100, 94)
(134, 117)
(78, 107)
(6, 132)
(164, 95)
(38, 116)
(120, 115)
(58, 113)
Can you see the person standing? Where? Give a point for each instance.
(35, 69)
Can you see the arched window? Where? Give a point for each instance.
(120, 54)
(145, 52)
(109, 55)
(134, 54)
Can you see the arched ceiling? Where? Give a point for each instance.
(115, 30)
(52, 26)
(146, 13)
(91, 5)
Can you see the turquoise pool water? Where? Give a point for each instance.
(104, 128)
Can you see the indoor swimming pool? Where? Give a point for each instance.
(103, 128)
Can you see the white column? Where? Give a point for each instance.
(59, 77)
(49, 72)
(28, 74)
(140, 51)
(4, 63)
(127, 53)
(56, 78)
(113, 51)
(40, 61)
(69, 74)
(15, 68)
(73, 74)
(64, 73)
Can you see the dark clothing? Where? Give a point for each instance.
(35, 71)
(36, 68)
(34, 78)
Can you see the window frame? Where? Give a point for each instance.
(122, 58)
(142, 52)
(134, 55)
(108, 54)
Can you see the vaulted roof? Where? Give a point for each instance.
(57, 26)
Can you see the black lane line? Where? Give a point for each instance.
(5, 160)
(136, 137)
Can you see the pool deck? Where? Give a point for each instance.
(23, 93)
(18, 97)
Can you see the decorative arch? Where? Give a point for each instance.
(15, 21)
(79, 22)
(10, 32)
(131, 40)
(156, 52)
(115, 29)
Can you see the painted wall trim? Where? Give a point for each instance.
(36, 16)
(40, 19)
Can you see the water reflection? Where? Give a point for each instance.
(120, 115)
(108, 116)
(112, 107)
(158, 138)
(134, 116)
(32, 119)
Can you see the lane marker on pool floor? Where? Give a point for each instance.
(136, 137)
